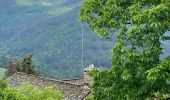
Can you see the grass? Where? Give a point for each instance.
(2, 72)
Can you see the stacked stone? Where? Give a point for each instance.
(69, 89)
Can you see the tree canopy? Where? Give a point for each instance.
(138, 71)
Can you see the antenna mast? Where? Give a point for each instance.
(82, 48)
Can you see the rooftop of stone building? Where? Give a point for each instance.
(72, 89)
(91, 67)
(74, 81)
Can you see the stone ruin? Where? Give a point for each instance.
(72, 89)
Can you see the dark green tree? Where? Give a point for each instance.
(26, 65)
(140, 26)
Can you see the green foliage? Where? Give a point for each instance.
(2, 72)
(166, 97)
(161, 71)
(3, 86)
(137, 71)
(26, 65)
(89, 98)
(27, 92)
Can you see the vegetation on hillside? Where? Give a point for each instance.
(3, 61)
(27, 92)
(138, 72)
(2, 72)
(24, 65)
(51, 31)
(11, 68)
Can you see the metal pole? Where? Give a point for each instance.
(82, 52)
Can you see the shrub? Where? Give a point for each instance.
(90, 98)
(3, 85)
(27, 92)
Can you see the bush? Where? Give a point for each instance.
(3, 85)
(27, 92)
(90, 98)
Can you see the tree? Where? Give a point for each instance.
(26, 65)
(140, 26)
(11, 68)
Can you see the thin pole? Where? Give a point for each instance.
(82, 48)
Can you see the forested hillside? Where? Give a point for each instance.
(2, 72)
(51, 31)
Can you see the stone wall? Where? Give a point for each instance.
(74, 81)
(69, 89)
(88, 80)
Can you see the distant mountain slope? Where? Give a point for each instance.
(3, 61)
(51, 31)
(2, 72)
